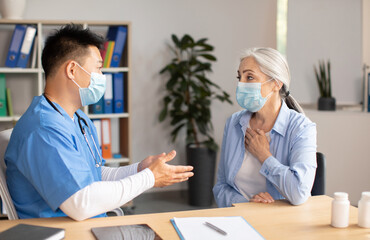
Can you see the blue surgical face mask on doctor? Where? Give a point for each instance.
(95, 90)
(249, 95)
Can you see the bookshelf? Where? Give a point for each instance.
(25, 83)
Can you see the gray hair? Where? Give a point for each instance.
(273, 64)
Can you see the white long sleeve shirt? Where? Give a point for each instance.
(118, 186)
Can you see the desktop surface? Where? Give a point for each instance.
(278, 220)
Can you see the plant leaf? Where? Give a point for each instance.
(318, 79)
(163, 114)
(176, 131)
(175, 40)
(329, 80)
(208, 57)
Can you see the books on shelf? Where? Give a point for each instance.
(9, 102)
(34, 53)
(26, 231)
(15, 45)
(27, 44)
(118, 92)
(113, 98)
(108, 95)
(3, 104)
(108, 55)
(114, 46)
(6, 104)
(118, 35)
(106, 140)
(20, 47)
(103, 51)
(97, 124)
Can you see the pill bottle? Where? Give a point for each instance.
(340, 210)
(364, 210)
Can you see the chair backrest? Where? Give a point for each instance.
(4, 192)
(318, 187)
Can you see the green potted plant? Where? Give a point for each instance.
(323, 78)
(189, 93)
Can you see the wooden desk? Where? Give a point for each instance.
(278, 220)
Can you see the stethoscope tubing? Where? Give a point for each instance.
(79, 119)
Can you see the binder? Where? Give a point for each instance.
(26, 46)
(97, 124)
(2, 95)
(106, 146)
(97, 108)
(117, 34)
(108, 55)
(9, 102)
(103, 51)
(108, 96)
(118, 92)
(15, 46)
(34, 52)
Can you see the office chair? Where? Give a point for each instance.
(318, 187)
(4, 192)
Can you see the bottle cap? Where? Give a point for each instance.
(340, 195)
(365, 195)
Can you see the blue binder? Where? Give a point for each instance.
(118, 93)
(117, 34)
(15, 45)
(27, 44)
(97, 108)
(108, 95)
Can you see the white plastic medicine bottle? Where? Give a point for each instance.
(364, 210)
(340, 210)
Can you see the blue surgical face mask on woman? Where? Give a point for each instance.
(249, 95)
(95, 90)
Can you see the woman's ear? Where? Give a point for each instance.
(278, 85)
(71, 69)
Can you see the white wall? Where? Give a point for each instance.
(329, 29)
(343, 137)
(332, 29)
(229, 25)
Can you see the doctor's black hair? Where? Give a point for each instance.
(71, 41)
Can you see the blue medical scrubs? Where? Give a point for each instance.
(48, 160)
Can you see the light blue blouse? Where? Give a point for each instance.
(289, 172)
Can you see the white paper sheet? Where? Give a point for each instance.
(193, 228)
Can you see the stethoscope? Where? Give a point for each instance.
(79, 120)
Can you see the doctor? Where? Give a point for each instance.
(54, 167)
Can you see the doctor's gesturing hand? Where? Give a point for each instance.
(164, 173)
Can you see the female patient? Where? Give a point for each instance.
(269, 148)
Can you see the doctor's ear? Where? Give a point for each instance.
(70, 69)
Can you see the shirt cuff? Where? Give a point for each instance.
(133, 168)
(150, 177)
(269, 165)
